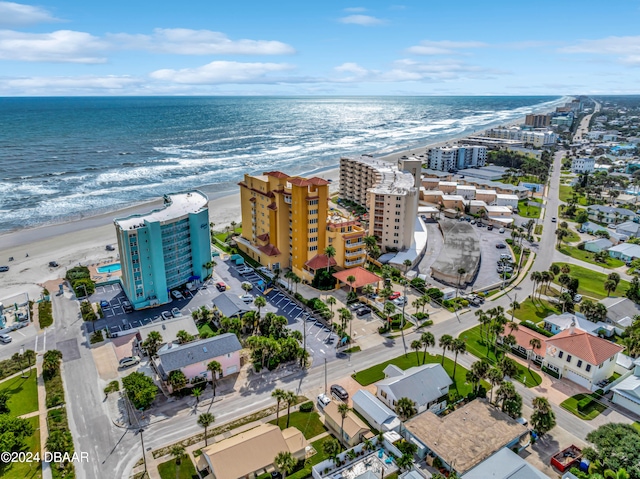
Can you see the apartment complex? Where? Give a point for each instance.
(389, 194)
(450, 158)
(286, 224)
(536, 138)
(583, 165)
(165, 248)
(538, 121)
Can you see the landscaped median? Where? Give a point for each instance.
(460, 385)
(584, 406)
(477, 346)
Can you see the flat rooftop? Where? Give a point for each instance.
(468, 435)
(175, 206)
(461, 248)
(390, 179)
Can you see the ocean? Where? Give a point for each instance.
(67, 158)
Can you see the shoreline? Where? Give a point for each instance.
(83, 240)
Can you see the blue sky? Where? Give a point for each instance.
(214, 47)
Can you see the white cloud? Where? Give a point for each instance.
(183, 41)
(626, 48)
(364, 20)
(86, 84)
(59, 46)
(220, 72)
(355, 9)
(16, 14)
(442, 47)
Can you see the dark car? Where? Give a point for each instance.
(109, 248)
(363, 311)
(53, 264)
(4, 268)
(489, 228)
(339, 392)
(501, 245)
(104, 304)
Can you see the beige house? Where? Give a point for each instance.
(251, 452)
(354, 429)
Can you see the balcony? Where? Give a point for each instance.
(287, 199)
(353, 245)
(351, 254)
(354, 262)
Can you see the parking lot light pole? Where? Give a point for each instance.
(144, 457)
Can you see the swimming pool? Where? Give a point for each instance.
(109, 268)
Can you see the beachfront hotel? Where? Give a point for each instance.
(286, 223)
(459, 157)
(389, 193)
(165, 248)
(537, 138)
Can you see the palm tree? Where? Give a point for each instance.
(178, 452)
(428, 340)
(461, 271)
(279, 396)
(425, 299)
(184, 337)
(343, 410)
(458, 346)
(407, 264)
(152, 343)
(536, 277)
(514, 306)
(196, 392)
(351, 279)
(247, 286)
(329, 252)
(285, 463)
(405, 461)
(296, 280)
(331, 301)
(367, 289)
(543, 418)
(484, 320)
(535, 344)
(389, 309)
(610, 286)
(215, 369)
(331, 448)
(177, 379)
(619, 474)
(495, 377)
(260, 302)
(508, 366)
(480, 369)
(445, 343)
(405, 408)
(205, 420)
(51, 362)
(290, 399)
(416, 345)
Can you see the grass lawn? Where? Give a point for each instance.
(534, 310)
(527, 211)
(169, 469)
(306, 422)
(25, 470)
(477, 347)
(571, 405)
(589, 257)
(566, 193)
(206, 327)
(23, 394)
(636, 426)
(374, 373)
(537, 230)
(317, 458)
(591, 282)
(573, 237)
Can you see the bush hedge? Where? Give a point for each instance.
(534, 327)
(584, 403)
(306, 406)
(45, 314)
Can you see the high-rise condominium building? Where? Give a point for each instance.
(389, 194)
(165, 248)
(286, 224)
(536, 138)
(538, 121)
(459, 157)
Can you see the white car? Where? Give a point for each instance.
(577, 298)
(245, 270)
(501, 230)
(177, 294)
(129, 361)
(5, 338)
(176, 312)
(166, 315)
(247, 298)
(400, 301)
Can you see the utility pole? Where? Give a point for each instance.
(144, 457)
(325, 375)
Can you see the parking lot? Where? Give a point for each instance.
(489, 255)
(321, 342)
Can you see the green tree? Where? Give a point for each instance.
(205, 420)
(617, 446)
(343, 410)
(178, 452)
(279, 395)
(458, 346)
(152, 343)
(13, 432)
(196, 393)
(329, 252)
(184, 337)
(331, 301)
(285, 463)
(51, 362)
(508, 366)
(405, 462)
(543, 419)
(112, 387)
(290, 398)
(60, 440)
(215, 369)
(535, 344)
(445, 343)
(260, 302)
(331, 448)
(428, 340)
(461, 271)
(405, 408)
(140, 389)
(495, 377)
(4, 407)
(351, 279)
(177, 379)
(416, 345)
(610, 286)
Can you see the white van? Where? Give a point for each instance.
(323, 401)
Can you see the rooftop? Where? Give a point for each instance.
(352, 424)
(505, 464)
(229, 305)
(169, 329)
(583, 345)
(468, 435)
(363, 400)
(363, 277)
(390, 179)
(175, 206)
(172, 357)
(421, 384)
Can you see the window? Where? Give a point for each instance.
(396, 227)
(395, 241)
(568, 358)
(313, 248)
(396, 234)
(313, 202)
(313, 239)
(313, 212)
(397, 220)
(313, 230)
(313, 221)
(560, 354)
(588, 368)
(383, 394)
(579, 363)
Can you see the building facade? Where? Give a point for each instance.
(164, 249)
(286, 224)
(538, 121)
(535, 138)
(583, 165)
(451, 158)
(390, 195)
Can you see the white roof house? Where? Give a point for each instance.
(377, 414)
(505, 464)
(627, 392)
(625, 251)
(560, 322)
(427, 386)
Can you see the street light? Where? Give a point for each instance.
(144, 457)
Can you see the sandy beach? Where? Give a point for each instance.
(84, 241)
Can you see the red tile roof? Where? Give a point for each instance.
(524, 335)
(363, 277)
(583, 345)
(298, 181)
(269, 250)
(276, 174)
(263, 237)
(319, 261)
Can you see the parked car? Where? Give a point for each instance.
(53, 264)
(501, 230)
(221, 286)
(177, 294)
(245, 270)
(473, 222)
(5, 338)
(166, 315)
(394, 295)
(501, 245)
(506, 256)
(4, 268)
(105, 304)
(355, 306)
(553, 220)
(109, 248)
(400, 301)
(490, 227)
(577, 298)
(323, 401)
(363, 311)
(129, 361)
(247, 298)
(176, 312)
(339, 392)
(126, 305)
